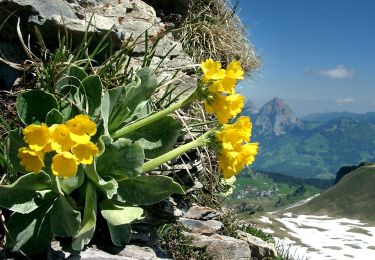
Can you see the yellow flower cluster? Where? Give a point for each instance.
(70, 141)
(222, 99)
(236, 151)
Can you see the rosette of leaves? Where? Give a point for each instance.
(45, 206)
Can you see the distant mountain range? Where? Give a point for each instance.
(314, 146)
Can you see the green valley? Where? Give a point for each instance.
(258, 192)
(311, 148)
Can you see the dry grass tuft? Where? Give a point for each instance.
(212, 29)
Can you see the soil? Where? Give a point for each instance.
(8, 111)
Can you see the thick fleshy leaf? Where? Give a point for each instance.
(92, 91)
(34, 105)
(54, 117)
(118, 110)
(26, 194)
(15, 142)
(89, 219)
(122, 157)
(68, 109)
(108, 186)
(139, 94)
(68, 185)
(73, 76)
(157, 138)
(65, 221)
(30, 232)
(120, 235)
(147, 190)
(116, 214)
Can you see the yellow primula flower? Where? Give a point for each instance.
(85, 153)
(225, 107)
(235, 134)
(31, 160)
(60, 138)
(212, 70)
(233, 161)
(234, 70)
(36, 136)
(248, 152)
(81, 128)
(64, 164)
(225, 85)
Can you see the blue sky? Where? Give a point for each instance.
(318, 55)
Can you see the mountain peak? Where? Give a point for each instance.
(276, 118)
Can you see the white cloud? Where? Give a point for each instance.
(340, 72)
(344, 101)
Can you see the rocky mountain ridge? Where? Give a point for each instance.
(275, 118)
(310, 149)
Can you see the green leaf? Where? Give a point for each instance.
(147, 190)
(139, 94)
(68, 109)
(65, 221)
(15, 142)
(92, 88)
(105, 111)
(108, 186)
(34, 105)
(73, 76)
(125, 101)
(120, 235)
(89, 219)
(25, 194)
(122, 157)
(68, 185)
(116, 214)
(118, 110)
(31, 232)
(157, 138)
(103, 141)
(54, 117)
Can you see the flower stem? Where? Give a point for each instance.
(200, 141)
(154, 117)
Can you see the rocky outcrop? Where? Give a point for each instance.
(276, 118)
(222, 247)
(259, 249)
(126, 18)
(129, 252)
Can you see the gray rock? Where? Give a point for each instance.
(128, 18)
(222, 247)
(14, 53)
(201, 226)
(204, 213)
(57, 252)
(259, 249)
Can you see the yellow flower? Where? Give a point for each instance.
(60, 138)
(64, 164)
(36, 136)
(226, 85)
(31, 160)
(81, 128)
(225, 107)
(235, 134)
(212, 70)
(85, 153)
(232, 162)
(234, 70)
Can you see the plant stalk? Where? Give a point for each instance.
(154, 117)
(200, 141)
